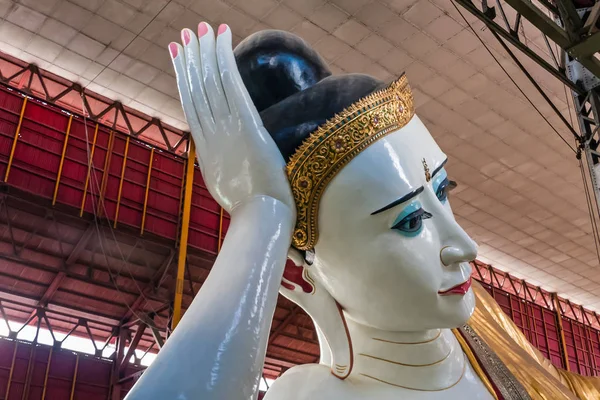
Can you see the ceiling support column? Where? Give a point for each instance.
(185, 226)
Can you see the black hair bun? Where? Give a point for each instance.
(292, 87)
(276, 64)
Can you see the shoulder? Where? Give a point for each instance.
(303, 382)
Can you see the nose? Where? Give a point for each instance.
(457, 244)
(450, 255)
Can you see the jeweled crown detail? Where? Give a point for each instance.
(335, 143)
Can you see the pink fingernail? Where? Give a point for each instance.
(173, 49)
(222, 28)
(202, 29)
(185, 35)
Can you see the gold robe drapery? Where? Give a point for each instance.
(537, 375)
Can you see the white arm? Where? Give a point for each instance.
(217, 351)
(218, 348)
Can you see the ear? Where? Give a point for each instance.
(300, 287)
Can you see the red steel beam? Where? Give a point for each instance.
(283, 324)
(141, 328)
(52, 288)
(108, 107)
(58, 278)
(81, 245)
(162, 270)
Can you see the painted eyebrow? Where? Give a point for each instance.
(400, 200)
(438, 169)
(411, 194)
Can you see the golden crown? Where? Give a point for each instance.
(334, 144)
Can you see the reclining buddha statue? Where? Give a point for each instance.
(340, 176)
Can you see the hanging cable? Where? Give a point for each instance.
(99, 232)
(589, 200)
(590, 206)
(568, 99)
(128, 44)
(569, 104)
(595, 229)
(517, 85)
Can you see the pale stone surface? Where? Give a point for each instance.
(520, 194)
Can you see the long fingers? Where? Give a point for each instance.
(209, 82)
(178, 57)
(196, 86)
(210, 72)
(237, 95)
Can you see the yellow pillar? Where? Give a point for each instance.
(107, 158)
(185, 225)
(147, 190)
(558, 311)
(62, 160)
(12, 369)
(74, 378)
(220, 231)
(46, 375)
(87, 179)
(121, 182)
(14, 144)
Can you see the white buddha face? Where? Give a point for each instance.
(389, 250)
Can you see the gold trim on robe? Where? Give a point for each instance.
(505, 385)
(528, 366)
(475, 364)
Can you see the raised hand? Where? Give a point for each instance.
(238, 158)
(218, 348)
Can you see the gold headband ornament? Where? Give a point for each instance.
(334, 144)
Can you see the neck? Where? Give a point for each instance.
(429, 360)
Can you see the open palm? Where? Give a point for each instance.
(238, 158)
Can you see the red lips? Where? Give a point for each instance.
(461, 289)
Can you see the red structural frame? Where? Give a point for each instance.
(137, 182)
(71, 96)
(31, 371)
(53, 145)
(70, 375)
(567, 334)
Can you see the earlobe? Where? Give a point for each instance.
(299, 287)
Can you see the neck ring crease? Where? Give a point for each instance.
(407, 365)
(421, 342)
(422, 389)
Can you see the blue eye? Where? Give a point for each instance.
(442, 190)
(410, 220)
(440, 185)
